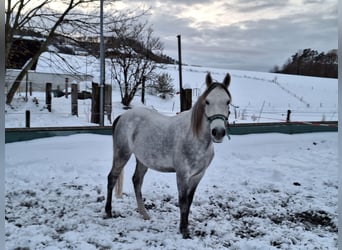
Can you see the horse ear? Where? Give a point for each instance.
(226, 80)
(208, 80)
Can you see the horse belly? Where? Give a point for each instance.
(157, 161)
(156, 154)
(153, 141)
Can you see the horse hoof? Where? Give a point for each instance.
(146, 217)
(185, 233)
(186, 236)
(108, 216)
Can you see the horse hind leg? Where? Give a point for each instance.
(119, 184)
(138, 178)
(119, 161)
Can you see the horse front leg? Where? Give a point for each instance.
(184, 206)
(186, 191)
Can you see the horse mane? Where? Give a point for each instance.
(197, 114)
(198, 108)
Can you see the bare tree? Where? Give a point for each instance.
(132, 50)
(41, 17)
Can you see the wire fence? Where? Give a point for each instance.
(239, 114)
(42, 117)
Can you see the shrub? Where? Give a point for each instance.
(163, 86)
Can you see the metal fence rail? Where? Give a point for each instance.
(24, 134)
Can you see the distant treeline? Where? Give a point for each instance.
(310, 62)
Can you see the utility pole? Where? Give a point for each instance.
(180, 72)
(102, 66)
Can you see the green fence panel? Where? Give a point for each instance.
(24, 134)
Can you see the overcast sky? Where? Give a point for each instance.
(242, 34)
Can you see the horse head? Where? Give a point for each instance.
(213, 104)
(216, 108)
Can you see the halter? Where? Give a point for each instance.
(210, 119)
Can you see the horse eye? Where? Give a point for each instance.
(207, 102)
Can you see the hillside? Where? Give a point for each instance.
(257, 96)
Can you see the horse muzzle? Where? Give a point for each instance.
(219, 127)
(217, 134)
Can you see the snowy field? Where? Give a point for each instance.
(257, 96)
(265, 191)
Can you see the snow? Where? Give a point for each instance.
(282, 194)
(263, 191)
(257, 96)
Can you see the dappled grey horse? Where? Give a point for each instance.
(181, 144)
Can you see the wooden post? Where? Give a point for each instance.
(108, 101)
(26, 88)
(143, 90)
(48, 98)
(74, 97)
(187, 99)
(27, 118)
(66, 87)
(182, 99)
(95, 104)
(288, 115)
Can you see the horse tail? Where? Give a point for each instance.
(115, 123)
(119, 181)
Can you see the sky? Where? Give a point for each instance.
(241, 34)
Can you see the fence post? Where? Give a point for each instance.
(74, 97)
(26, 88)
(108, 101)
(95, 104)
(27, 118)
(48, 95)
(143, 90)
(30, 88)
(262, 108)
(66, 87)
(186, 99)
(288, 115)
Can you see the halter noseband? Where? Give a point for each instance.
(212, 118)
(215, 117)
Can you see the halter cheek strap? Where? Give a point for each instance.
(210, 119)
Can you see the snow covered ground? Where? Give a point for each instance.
(257, 96)
(265, 191)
